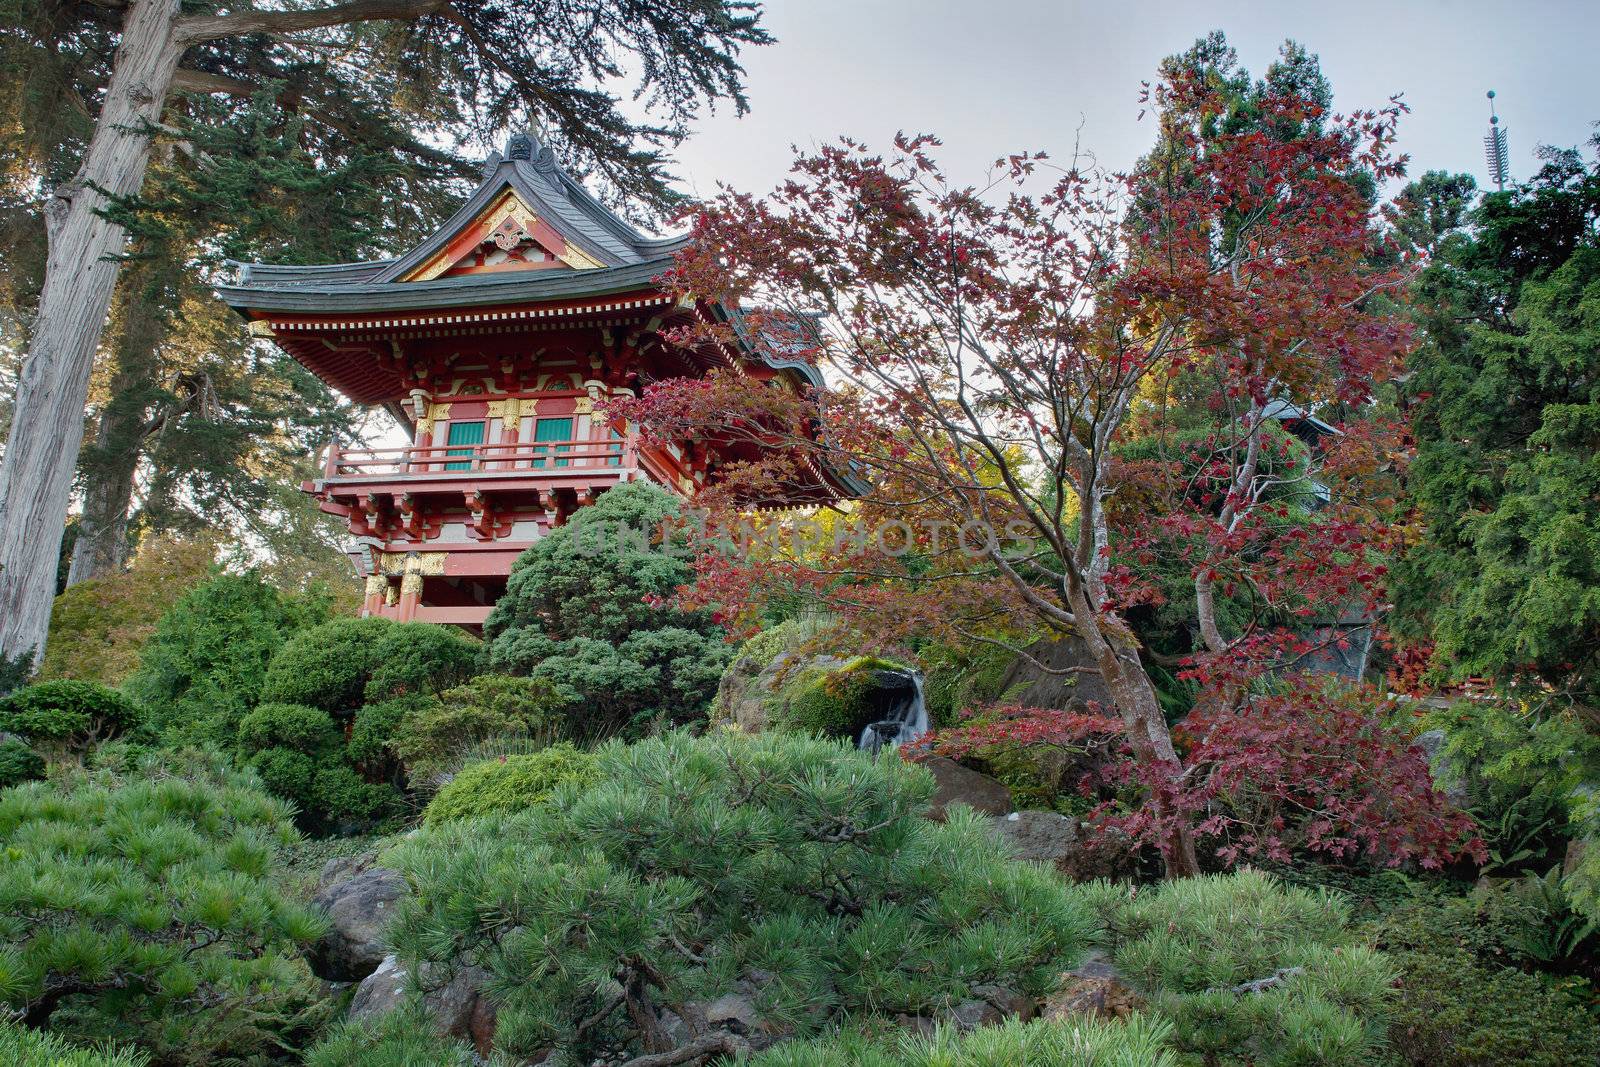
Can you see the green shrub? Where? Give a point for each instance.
(300, 754)
(401, 1038)
(420, 658)
(22, 1047)
(1250, 971)
(18, 764)
(510, 784)
(67, 716)
(1463, 1002)
(1456, 1012)
(343, 664)
(205, 664)
(589, 611)
(433, 734)
(326, 666)
(372, 736)
(690, 866)
(1136, 1042)
(146, 911)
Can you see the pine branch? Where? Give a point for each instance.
(193, 31)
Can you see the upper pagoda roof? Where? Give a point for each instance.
(545, 237)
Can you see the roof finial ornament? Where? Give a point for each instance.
(520, 146)
(491, 164)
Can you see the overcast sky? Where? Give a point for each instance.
(992, 77)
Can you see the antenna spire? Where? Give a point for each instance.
(1496, 149)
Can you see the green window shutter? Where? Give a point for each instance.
(552, 430)
(463, 433)
(614, 450)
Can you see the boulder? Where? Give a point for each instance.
(955, 784)
(747, 691)
(455, 1002)
(358, 910)
(380, 992)
(1447, 778)
(1080, 852)
(1095, 989)
(1025, 684)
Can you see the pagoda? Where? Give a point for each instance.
(495, 343)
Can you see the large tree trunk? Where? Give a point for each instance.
(1117, 659)
(108, 469)
(80, 274)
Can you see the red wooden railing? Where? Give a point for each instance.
(550, 457)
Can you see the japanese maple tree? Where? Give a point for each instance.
(994, 349)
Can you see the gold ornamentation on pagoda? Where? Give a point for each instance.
(508, 223)
(436, 412)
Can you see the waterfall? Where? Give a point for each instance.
(905, 713)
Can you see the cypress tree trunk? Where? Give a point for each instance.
(80, 274)
(126, 423)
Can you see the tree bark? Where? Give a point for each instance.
(1146, 725)
(80, 274)
(109, 467)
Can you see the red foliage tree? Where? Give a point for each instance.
(992, 348)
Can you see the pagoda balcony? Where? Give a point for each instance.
(480, 463)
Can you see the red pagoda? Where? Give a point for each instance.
(493, 342)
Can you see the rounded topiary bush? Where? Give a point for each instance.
(432, 735)
(18, 764)
(510, 784)
(64, 716)
(326, 666)
(794, 872)
(300, 754)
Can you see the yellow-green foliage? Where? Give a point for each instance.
(1250, 971)
(432, 735)
(510, 784)
(148, 911)
(98, 627)
(1081, 1042)
(30, 1048)
(404, 1037)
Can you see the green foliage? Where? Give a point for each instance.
(206, 663)
(798, 866)
(418, 657)
(15, 671)
(432, 735)
(18, 764)
(30, 1048)
(1463, 998)
(1135, 1042)
(404, 1037)
(65, 716)
(1506, 416)
(145, 911)
(585, 608)
(300, 754)
(1195, 946)
(326, 666)
(959, 680)
(510, 784)
(341, 664)
(1529, 773)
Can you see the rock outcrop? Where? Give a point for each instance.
(955, 784)
(358, 907)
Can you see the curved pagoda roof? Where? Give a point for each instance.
(525, 196)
